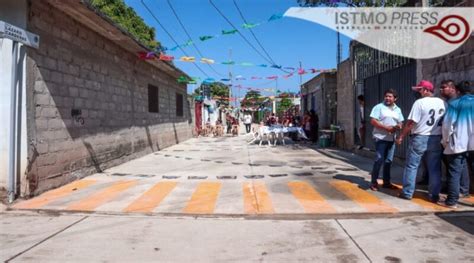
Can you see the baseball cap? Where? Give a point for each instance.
(424, 84)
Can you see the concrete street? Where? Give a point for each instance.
(126, 238)
(219, 199)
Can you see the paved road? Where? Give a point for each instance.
(226, 177)
(218, 199)
(32, 237)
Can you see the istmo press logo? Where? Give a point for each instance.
(419, 33)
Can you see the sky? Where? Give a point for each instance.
(288, 41)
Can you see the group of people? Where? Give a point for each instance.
(217, 130)
(436, 129)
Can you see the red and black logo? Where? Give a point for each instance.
(453, 29)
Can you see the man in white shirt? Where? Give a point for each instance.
(247, 122)
(424, 125)
(387, 118)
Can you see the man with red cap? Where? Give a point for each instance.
(424, 126)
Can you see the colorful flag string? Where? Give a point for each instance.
(183, 79)
(190, 59)
(227, 32)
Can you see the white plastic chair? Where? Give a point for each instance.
(279, 136)
(263, 136)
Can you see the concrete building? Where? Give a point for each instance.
(89, 102)
(346, 103)
(320, 94)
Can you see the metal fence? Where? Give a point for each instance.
(401, 79)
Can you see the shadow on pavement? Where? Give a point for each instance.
(464, 221)
(360, 181)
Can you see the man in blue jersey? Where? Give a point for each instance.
(458, 140)
(424, 125)
(387, 118)
(450, 92)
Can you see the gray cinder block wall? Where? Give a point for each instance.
(458, 65)
(77, 68)
(345, 102)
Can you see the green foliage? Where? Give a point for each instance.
(126, 17)
(218, 89)
(375, 3)
(252, 98)
(354, 3)
(284, 105)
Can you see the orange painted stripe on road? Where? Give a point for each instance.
(203, 200)
(151, 198)
(309, 198)
(422, 200)
(468, 199)
(55, 194)
(368, 201)
(256, 199)
(93, 201)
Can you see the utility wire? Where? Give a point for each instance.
(238, 31)
(189, 36)
(170, 36)
(251, 31)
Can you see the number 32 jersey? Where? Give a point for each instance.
(428, 114)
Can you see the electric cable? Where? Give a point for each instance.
(170, 36)
(189, 36)
(238, 31)
(251, 31)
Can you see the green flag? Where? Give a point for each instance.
(229, 32)
(228, 62)
(249, 25)
(182, 79)
(204, 38)
(275, 17)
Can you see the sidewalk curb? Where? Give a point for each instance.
(282, 216)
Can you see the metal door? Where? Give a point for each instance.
(400, 79)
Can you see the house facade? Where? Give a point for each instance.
(320, 94)
(89, 101)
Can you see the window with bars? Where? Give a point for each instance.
(179, 105)
(369, 61)
(153, 99)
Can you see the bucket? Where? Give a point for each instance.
(324, 142)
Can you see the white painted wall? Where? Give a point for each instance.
(15, 13)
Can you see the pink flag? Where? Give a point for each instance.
(166, 57)
(146, 55)
(288, 76)
(272, 77)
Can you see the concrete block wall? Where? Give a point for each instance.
(458, 65)
(345, 102)
(76, 68)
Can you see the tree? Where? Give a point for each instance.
(375, 3)
(128, 19)
(284, 105)
(354, 3)
(218, 90)
(252, 99)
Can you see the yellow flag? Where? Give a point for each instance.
(207, 61)
(187, 59)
